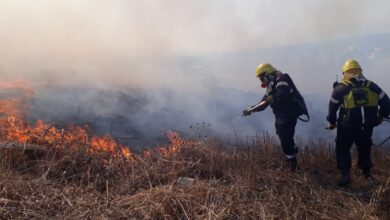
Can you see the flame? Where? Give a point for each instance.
(126, 152)
(106, 144)
(14, 127)
(176, 144)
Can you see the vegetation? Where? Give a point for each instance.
(230, 182)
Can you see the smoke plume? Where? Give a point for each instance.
(139, 67)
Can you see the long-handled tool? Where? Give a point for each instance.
(261, 106)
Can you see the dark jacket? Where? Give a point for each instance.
(285, 96)
(367, 115)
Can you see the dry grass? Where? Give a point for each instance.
(246, 182)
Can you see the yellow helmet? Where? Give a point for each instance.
(264, 69)
(351, 64)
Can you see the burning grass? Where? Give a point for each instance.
(249, 182)
(66, 173)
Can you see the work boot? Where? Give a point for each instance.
(345, 179)
(366, 173)
(292, 164)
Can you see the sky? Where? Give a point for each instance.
(122, 41)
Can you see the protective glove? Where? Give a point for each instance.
(269, 99)
(331, 126)
(246, 112)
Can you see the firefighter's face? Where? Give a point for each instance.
(264, 81)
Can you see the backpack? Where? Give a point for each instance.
(298, 102)
(359, 97)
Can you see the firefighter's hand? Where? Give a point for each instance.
(246, 112)
(331, 126)
(379, 121)
(269, 99)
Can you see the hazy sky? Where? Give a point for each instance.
(94, 39)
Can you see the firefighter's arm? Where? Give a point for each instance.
(282, 93)
(262, 105)
(334, 104)
(384, 104)
(384, 101)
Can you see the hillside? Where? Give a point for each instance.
(131, 109)
(67, 171)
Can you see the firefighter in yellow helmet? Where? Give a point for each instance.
(362, 105)
(287, 105)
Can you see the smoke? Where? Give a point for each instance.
(122, 42)
(178, 63)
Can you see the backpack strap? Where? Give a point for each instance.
(367, 84)
(348, 83)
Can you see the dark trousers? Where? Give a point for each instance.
(285, 129)
(346, 136)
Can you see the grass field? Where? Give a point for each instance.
(224, 181)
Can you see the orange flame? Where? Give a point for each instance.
(103, 144)
(176, 144)
(126, 152)
(13, 127)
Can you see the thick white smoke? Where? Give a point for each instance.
(195, 59)
(122, 42)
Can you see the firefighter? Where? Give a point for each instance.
(362, 105)
(287, 105)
